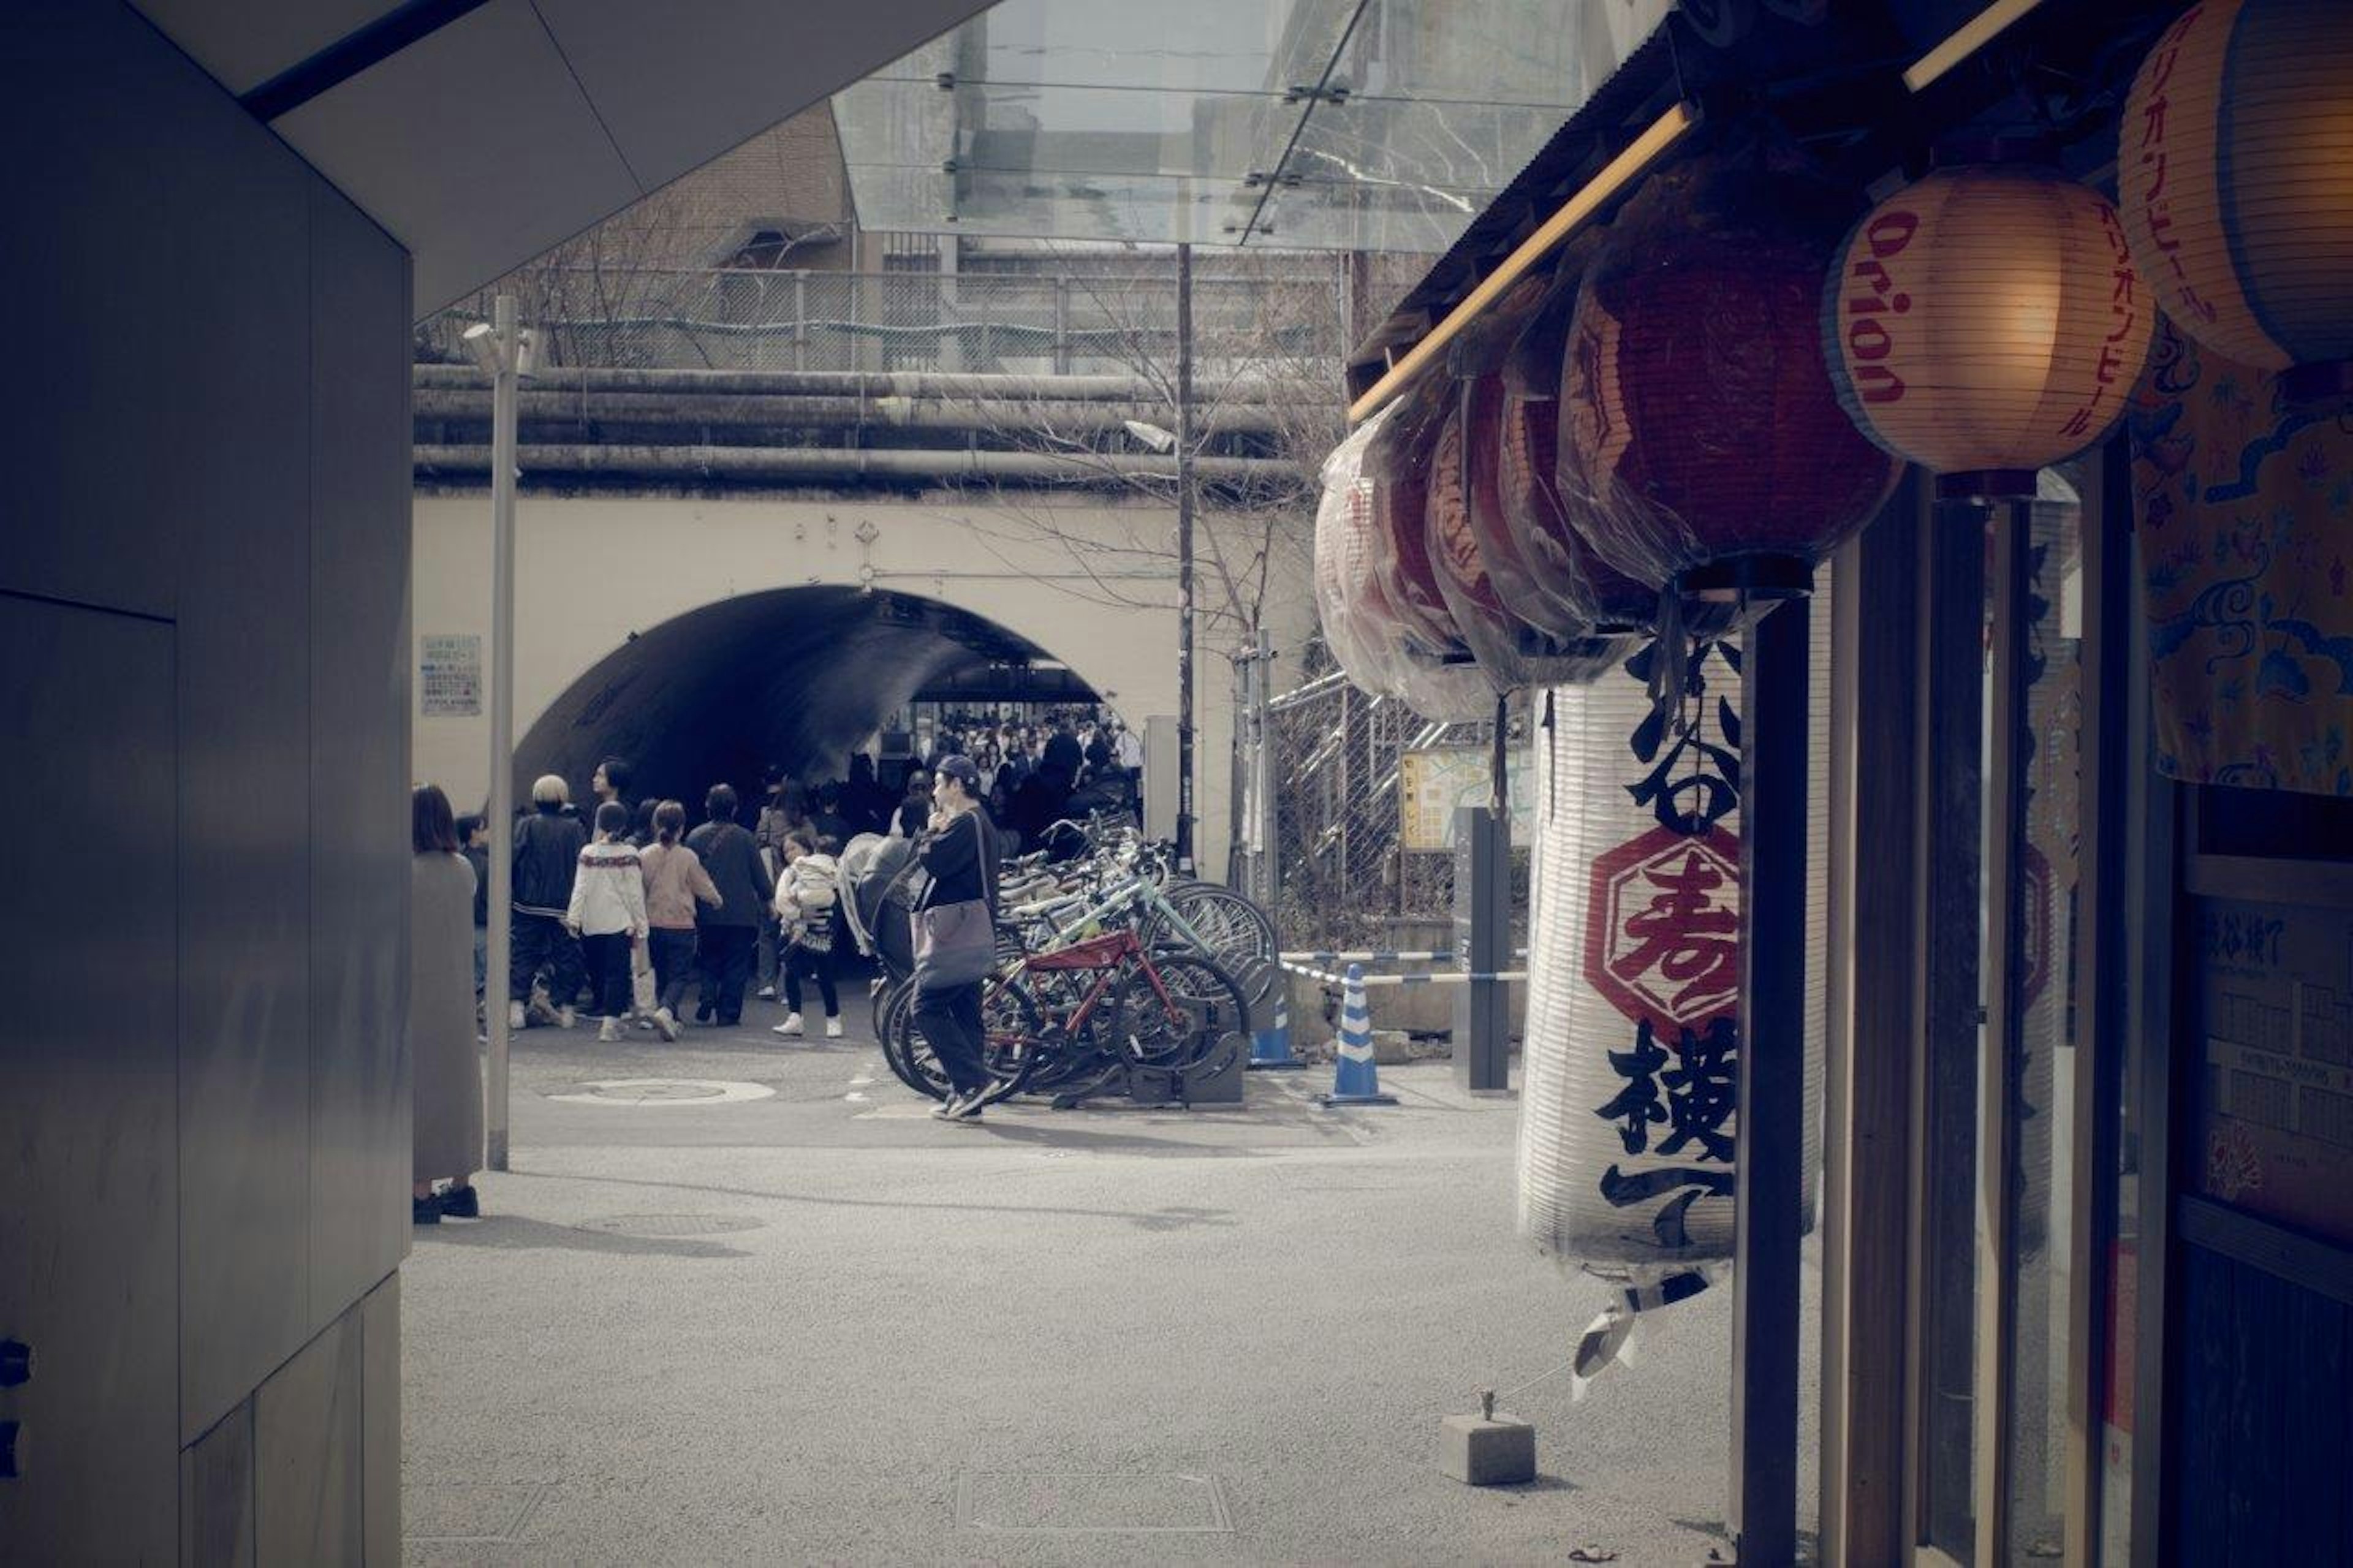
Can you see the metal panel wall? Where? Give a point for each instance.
(86, 1239)
(358, 763)
(307, 1437)
(242, 523)
(169, 461)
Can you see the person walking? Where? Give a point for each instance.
(445, 1070)
(784, 812)
(547, 846)
(675, 883)
(724, 935)
(608, 913)
(954, 934)
(806, 896)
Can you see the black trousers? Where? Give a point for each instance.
(725, 952)
(816, 963)
(609, 973)
(949, 1016)
(540, 941)
(673, 953)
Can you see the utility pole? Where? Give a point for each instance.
(505, 359)
(1184, 559)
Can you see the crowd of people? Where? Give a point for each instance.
(617, 909)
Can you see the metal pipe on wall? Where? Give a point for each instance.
(801, 462)
(874, 384)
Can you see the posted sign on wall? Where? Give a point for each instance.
(449, 676)
(1433, 781)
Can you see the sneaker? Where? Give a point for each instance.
(968, 1108)
(946, 1108)
(645, 1022)
(566, 1017)
(767, 993)
(610, 1032)
(460, 1203)
(665, 1023)
(702, 1015)
(833, 1028)
(515, 1018)
(543, 1011)
(423, 1211)
(791, 1026)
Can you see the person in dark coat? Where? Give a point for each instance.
(958, 851)
(724, 936)
(547, 846)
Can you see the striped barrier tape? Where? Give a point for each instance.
(1444, 977)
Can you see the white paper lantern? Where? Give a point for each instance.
(1985, 322)
(1625, 1153)
(2234, 160)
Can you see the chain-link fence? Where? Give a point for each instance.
(1338, 866)
(1033, 323)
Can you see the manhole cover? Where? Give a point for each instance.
(664, 1091)
(1067, 1503)
(670, 1224)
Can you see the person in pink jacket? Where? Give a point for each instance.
(675, 881)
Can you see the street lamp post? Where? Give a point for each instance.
(1184, 559)
(504, 350)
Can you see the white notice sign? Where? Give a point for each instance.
(449, 676)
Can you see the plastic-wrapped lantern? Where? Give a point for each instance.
(1985, 322)
(1397, 462)
(1340, 570)
(1492, 632)
(1702, 444)
(2235, 165)
(1544, 570)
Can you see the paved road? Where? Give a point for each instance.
(817, 1326)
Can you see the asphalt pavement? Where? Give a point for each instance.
(795, 1319)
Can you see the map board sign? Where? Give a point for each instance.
(1434, 780)
(449, 676)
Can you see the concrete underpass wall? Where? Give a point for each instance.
(1093, 586)
(204, 1126)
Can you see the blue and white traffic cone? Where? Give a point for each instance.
(1270, 1047)
(1354, 1079)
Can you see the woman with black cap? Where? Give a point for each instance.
(955, 933)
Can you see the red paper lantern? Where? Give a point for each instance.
(1558, 583)
(1701, 440)
(1492, 634)
(1397, 462)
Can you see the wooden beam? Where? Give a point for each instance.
(1573, 214)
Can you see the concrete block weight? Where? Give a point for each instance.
(1490, 1449)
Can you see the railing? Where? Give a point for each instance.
(1288, 320)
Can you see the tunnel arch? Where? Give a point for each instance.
(796, 677)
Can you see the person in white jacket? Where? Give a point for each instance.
(608, 913)
(806, 895)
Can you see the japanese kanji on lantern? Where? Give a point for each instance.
(1987, 321)
(1628, 1109)
(1701, 442)
(2234, 160)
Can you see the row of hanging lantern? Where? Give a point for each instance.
(1716, 391)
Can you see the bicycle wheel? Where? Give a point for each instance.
(1233, 930)
(1179, 1021)
(1011, 1028)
